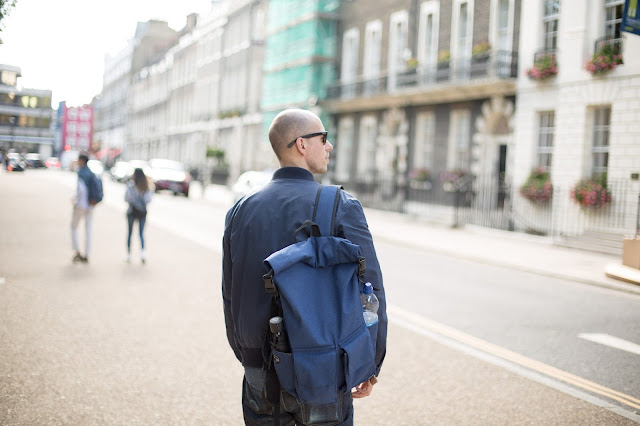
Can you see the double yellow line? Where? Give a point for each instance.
(516, 358)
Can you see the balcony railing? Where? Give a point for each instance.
(368, 87)
(495, 64)
(543, 54)
(615, 44)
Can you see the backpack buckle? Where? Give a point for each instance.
(269, 285)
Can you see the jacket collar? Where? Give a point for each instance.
(292, 173)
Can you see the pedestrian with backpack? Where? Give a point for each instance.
(299, 252)
(83, 204)
(138, 195)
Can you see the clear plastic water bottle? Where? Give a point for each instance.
(370, 305)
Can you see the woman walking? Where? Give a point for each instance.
(138, 195)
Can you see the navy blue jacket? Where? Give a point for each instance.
(264, 222)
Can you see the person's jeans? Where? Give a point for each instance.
(257, 410)
(141, 221)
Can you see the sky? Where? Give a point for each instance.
(60, 45)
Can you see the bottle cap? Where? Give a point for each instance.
(275, 320)
(367, 289)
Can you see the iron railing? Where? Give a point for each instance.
(497, 204)
(500, 64)
(614, 43)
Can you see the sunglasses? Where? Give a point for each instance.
(310, 135)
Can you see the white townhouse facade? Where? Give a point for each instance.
(229, 84)
(577, 123)
(151, 40)
(204, 94)
(149, 117)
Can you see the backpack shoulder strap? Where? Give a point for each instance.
(324, 212)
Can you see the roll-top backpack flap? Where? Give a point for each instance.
(316, 252)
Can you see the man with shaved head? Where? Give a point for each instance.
(264, 222)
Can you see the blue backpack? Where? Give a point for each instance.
(315, 286)
(95, 189)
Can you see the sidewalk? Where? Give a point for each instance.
(501, 248)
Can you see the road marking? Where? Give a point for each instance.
(612, 341)
(426, 326)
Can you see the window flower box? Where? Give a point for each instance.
(544, 66)
(537, 188)
(591, 193)
(604, 59)
(420, 179)
(454, 180)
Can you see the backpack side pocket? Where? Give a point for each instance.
(283, 362)
(359, 358)
(316, 375)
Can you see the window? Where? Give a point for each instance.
(461, 37)
(459, 139)
(502, 24)
(372, 49)
(398, 45)
(546, 129)
(344, 148)
(613, 17)
(428, 35)
(462, 28)
(9, 78)
(424, 141)
(350, 42)
(367, 147)
(600, 146)
(550, 24)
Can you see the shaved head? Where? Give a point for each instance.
(288, 125)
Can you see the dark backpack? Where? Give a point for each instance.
(95, 189)
(315, 286)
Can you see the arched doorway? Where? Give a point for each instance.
(493, 140)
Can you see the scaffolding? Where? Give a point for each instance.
(300, 54)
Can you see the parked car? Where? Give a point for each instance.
(169, 175)
(121, 171)
(16, 163)
(34, 161)
(250, 181)
(95, 166)
(139, 164)
(52, 163)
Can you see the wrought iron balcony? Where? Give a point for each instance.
(368, 87)
(498, 64)
(606, 43)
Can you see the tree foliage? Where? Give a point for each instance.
(5, 8)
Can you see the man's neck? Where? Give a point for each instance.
(294, 163)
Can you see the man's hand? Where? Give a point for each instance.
(364, 388)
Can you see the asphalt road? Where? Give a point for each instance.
(118, 343)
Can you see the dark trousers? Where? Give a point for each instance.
(141, 221)
(257, 410)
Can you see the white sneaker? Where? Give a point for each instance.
(127, 258)
(143, 257)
